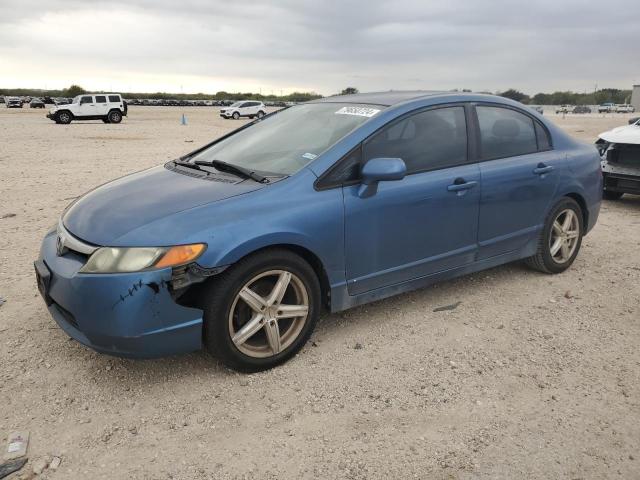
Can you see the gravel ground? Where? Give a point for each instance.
(531, 376)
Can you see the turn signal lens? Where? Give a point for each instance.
(180, 255)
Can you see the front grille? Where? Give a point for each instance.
(625, 154)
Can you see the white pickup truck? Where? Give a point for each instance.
(625, 108)
(108, 107)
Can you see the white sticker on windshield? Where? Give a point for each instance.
(360, 111)
(310, 156)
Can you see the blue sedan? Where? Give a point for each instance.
(239, 245)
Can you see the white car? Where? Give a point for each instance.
(625, 108)
(246, 108)
(108, 107)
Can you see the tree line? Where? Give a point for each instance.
(75, 90)
(597, 97)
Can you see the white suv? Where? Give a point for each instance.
(247, 108)
(108, 107)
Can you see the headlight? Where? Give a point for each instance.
(135, 259)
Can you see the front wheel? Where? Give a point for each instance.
(261, 311)
(235, 115)
(560, 239)
(64, 117)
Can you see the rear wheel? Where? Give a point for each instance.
(560, 239)
(261, 311)
(260, 114)
(609, 195)
(64, 117)
(114, 116)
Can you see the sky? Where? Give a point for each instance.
(322, 46)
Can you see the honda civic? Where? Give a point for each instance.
(239, 245)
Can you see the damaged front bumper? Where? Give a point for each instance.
(130, 314)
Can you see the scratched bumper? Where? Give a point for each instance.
(131, 315)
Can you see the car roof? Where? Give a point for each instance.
(380, 98)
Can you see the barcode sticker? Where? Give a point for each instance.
(360, 111)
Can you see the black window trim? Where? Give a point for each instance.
(472, 148)
(478, 140)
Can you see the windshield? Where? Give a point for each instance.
(236, 104)
(287, 141)
(76, 99)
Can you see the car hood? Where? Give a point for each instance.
(626, 134)
(112, 210)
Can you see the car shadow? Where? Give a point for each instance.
(116, 372)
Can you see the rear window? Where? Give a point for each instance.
(114, 98)
(505, 133)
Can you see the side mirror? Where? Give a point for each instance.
(380, 170)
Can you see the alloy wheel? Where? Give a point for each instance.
(268, 313)
(565, 233)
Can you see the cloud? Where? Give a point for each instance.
(323, 46)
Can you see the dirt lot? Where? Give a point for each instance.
(532, 376)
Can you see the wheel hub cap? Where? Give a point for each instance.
(565, 233)
(268, 313)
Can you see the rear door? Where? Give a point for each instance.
(520, 172)
(424, 223)
(102, 106)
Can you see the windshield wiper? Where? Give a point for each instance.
(228, 167)
(187, 164)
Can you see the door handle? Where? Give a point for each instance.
(460, 184)
(541, 169)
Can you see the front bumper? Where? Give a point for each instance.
(129, 315)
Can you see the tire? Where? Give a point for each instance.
(261, 114)
(546, 262)
(225, 313)
(114, 116)
(235, 115)
(609, 195)
(64, 117)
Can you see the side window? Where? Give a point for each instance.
(425, 141)
(345, 171)
(505, 133)
(544, 142)
(86, 100)
(114, 98)
(101, 99)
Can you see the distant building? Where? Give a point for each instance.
(635, 97)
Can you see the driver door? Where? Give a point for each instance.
(425, 223)
(86, 107)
